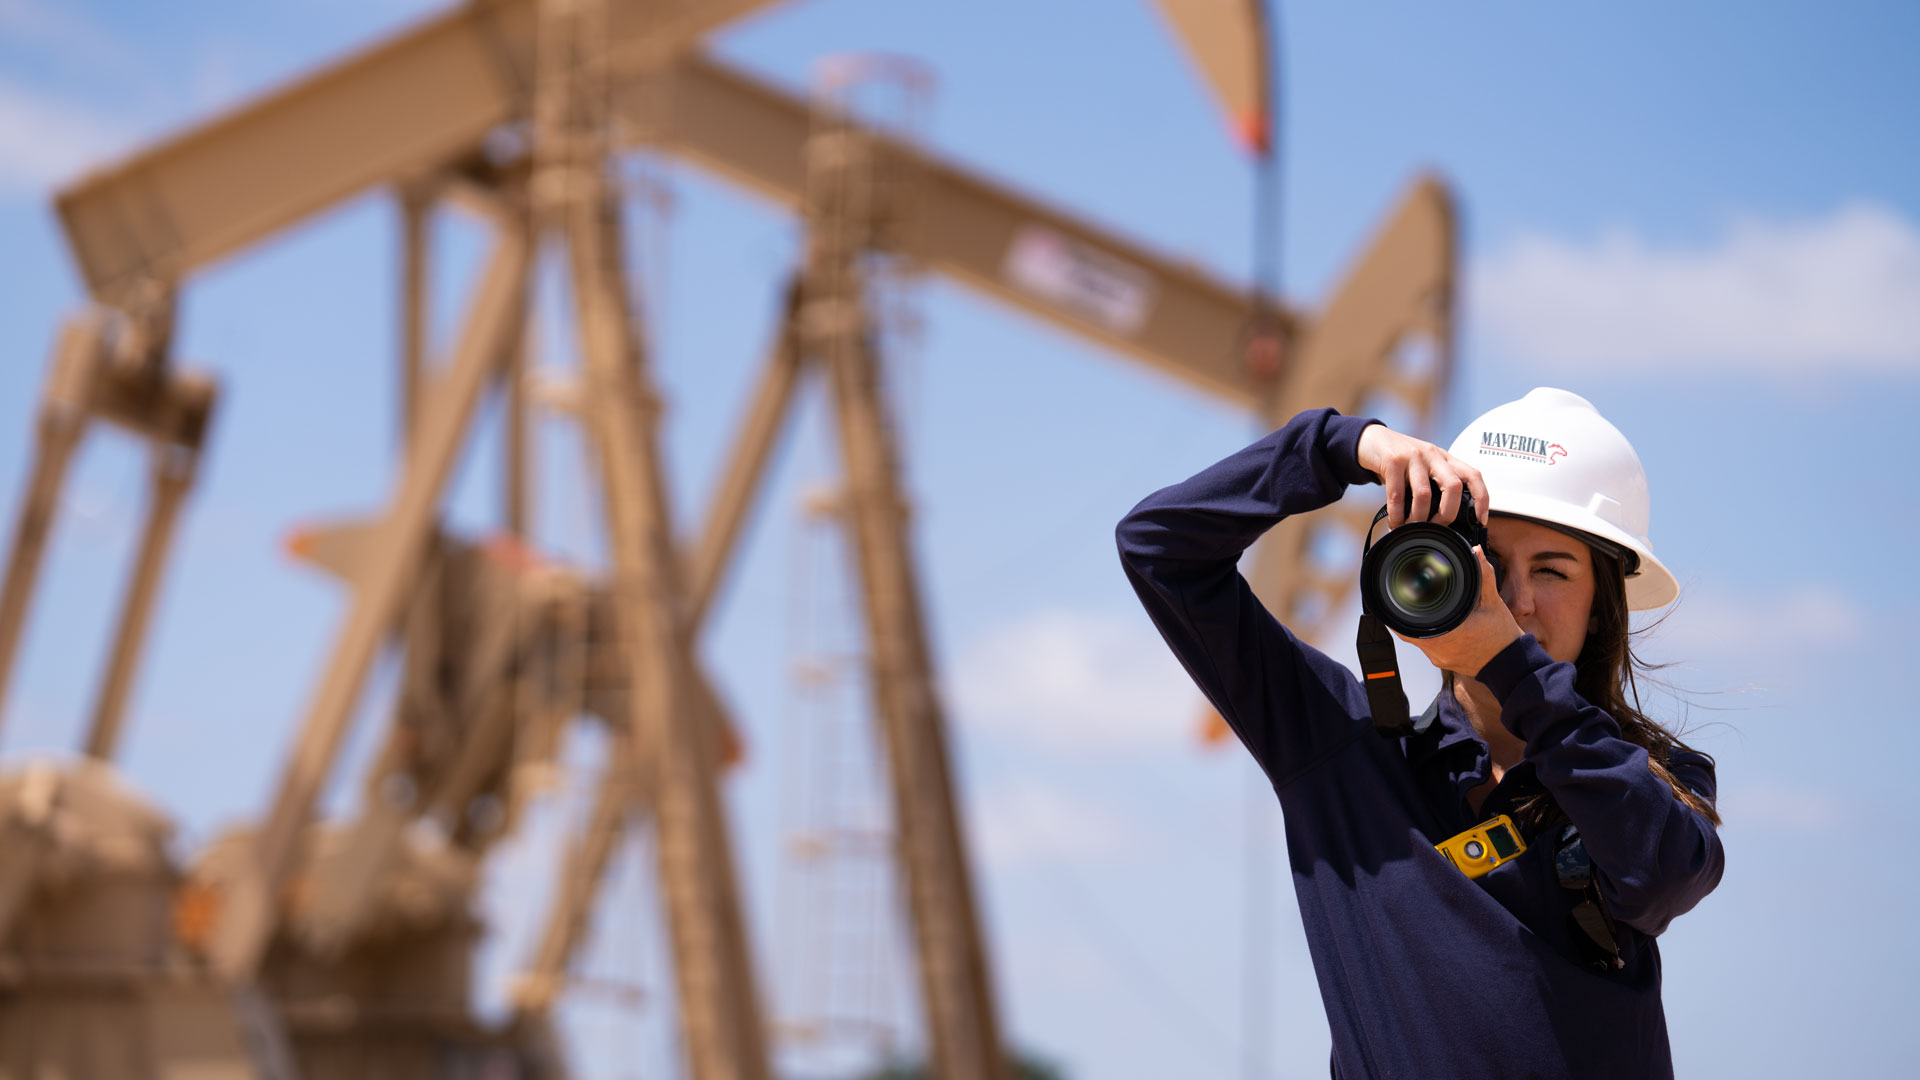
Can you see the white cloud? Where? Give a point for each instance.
(1813, 617)
(44, 141)
(1069, 680)
(1027, 823)
(1838, 291)
(1786, 807)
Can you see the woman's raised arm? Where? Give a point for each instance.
(1288, 702)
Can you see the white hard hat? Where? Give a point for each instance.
(1552, 457)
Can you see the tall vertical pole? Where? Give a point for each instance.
(847, 208)
(718, 1008)
(719, 1012)
(954, 976)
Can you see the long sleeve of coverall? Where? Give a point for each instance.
(1289, 703)
(1654, 856)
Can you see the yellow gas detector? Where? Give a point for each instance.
(1484, 846)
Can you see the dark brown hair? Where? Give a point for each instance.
(1606, 673)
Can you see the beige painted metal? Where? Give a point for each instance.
(1158, 310)
(504, 624)
(516, 498)
(861, 196)
(719, 1011)
(439, 754)
(1400, 290)
(429, 97)
(715, 992)
(91, 983)
(170, 476)
(1226, 40)
(419, 109)
(955, 979)
(99, 375)
(416, 208)
(252, 909)
(401, 109)
(752, 447)
(64, 406)
(623, 792)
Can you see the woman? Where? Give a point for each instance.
(1546, 965)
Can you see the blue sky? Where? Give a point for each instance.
(1706, 220)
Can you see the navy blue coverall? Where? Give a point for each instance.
(1424, 971)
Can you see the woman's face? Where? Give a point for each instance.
(1549, 583)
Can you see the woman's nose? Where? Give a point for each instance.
(1515, 593)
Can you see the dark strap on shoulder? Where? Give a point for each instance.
(1380, 676)
(1575, 870)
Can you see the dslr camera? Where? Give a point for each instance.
(1422, 579)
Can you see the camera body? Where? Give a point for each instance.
(1422, 579)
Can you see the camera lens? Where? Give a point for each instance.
(1420, 580)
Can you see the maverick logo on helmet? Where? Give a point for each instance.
(1502, 444)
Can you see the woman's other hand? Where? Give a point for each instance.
(1406, 465)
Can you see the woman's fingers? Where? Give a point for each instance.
(1394, 478)
(1410, 469)
(1490, 598)
(1418, 478)
(1478, 485)
(1449, 494)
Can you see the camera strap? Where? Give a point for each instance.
(1380, 665)
(1574, 867)
(1380, 674)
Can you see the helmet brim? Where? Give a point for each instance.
(1652, 586)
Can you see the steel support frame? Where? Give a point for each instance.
(170, 476)
(955, 981)
(169, 410)
(57, 431)
(624, 792)
(719, 1009)
(251, 910)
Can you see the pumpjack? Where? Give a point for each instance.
(300, 948)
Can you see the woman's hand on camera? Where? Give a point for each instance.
(1489, 628)
(1407, 465)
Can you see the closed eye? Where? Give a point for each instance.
(1551, 571)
